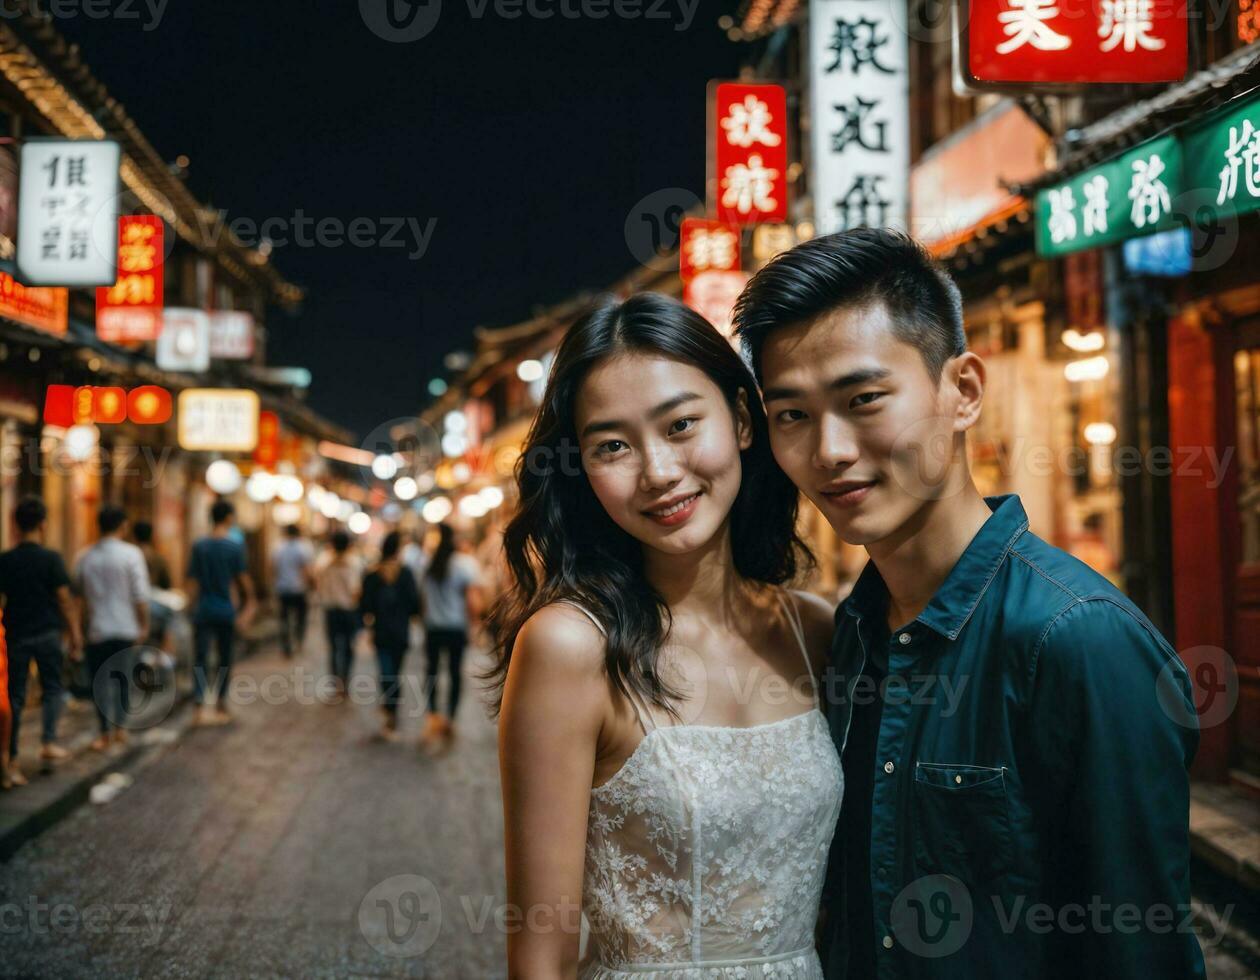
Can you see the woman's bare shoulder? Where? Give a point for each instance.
(818, 623)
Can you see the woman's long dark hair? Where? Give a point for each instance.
(441, 561)
(561, 543)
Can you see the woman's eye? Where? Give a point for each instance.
(682, 425)
(866, 398)
(610, 448)
(790, 415)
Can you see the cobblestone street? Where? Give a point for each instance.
(289, 843)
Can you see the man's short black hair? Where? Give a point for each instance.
(340, 541)
(221, 511)
(855, 269)
(110, 518)
(142, 531)
(292, 531)
(29, 514)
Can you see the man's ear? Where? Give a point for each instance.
(743, 420)
(966, 374)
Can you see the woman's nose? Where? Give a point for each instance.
(661, 468)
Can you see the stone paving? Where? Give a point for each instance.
(288, 843)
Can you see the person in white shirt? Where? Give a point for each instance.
(339, 580)
(292, 566)
(113, 581)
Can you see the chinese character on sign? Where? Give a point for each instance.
(1062, 221)
(852, 118)
(1025, 23)
(1148, 193)
(1128, 22)
(706, 246)
(859, 43)
(863, 204)
(1243, 152)
(130, 311)
(1094, 212)
(749, 138)
(748, 123)
(68, 212)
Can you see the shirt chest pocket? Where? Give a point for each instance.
(961, 821)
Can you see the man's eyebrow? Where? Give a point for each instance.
(858, 377)
(664, 407)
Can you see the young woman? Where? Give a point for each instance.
(451, 603)
(339, 579)
(387, 605)
(665, 766)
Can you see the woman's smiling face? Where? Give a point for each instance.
(660, 447)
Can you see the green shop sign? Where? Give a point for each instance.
(1190, 178)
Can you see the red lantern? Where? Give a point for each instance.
(149, 405)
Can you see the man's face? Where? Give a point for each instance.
(858, 423)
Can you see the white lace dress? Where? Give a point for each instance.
(705, 852)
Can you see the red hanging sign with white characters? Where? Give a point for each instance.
(131, 309)
(706, 246)
(1077, 41)
(750, 159)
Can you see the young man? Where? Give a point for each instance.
(113, 580)
(292, 566)
(38, 609)
(1016, 799)
(215, 567)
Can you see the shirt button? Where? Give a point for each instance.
(903, 639)
(888, 767)
(958, 779)
(888, 942)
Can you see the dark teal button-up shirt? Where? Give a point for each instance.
(1016, 777)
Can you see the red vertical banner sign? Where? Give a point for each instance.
(1076, 41)
(131, 310)
(748, 134)
(267, 452)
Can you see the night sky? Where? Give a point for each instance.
(530, 141)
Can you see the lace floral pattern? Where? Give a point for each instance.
(709, 846)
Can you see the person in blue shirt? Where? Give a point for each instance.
(1015, 734)
(222, 600)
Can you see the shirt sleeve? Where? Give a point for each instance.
(57, 574)
(194, 564)
(1114, 730)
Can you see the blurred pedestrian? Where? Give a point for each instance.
(451, 603)
(388, 604)
(38, 608)
(339, 580)
(216, 567)
(113, 580)
(160, 612)
(291, 565)
(6, 713)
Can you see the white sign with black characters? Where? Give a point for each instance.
(68, 213)
(860, 114)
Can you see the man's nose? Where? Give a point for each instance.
(834, 446)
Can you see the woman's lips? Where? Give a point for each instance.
(676, 514)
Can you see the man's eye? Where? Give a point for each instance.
(866, 398)
(790, 415)
(682, 425)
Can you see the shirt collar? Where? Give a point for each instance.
(968, 580)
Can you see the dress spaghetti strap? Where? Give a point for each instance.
(794, 618)
(639, 712)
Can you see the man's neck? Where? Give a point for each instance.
(34, 537)
(917, 558)
(219, 531)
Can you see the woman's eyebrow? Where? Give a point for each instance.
(664, 407)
